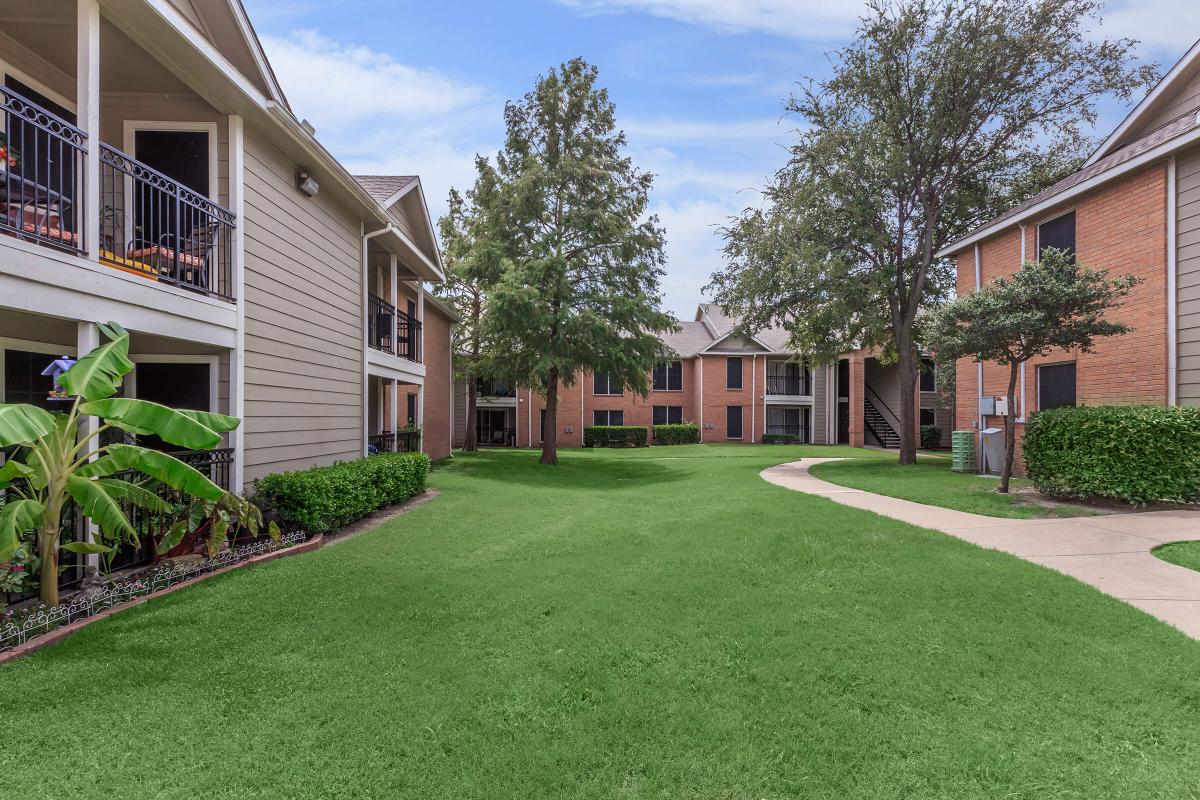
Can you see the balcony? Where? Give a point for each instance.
(148, 224)
(400, 442)
(799, 431)
(494, 388)
(793, 385)
(390, 330)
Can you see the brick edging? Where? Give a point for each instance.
(315, 543)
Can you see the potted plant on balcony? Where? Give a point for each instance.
(9, 157)
(55, 464)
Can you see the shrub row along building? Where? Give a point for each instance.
(1134, 207)
(733, 388)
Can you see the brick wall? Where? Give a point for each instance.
(1120, 227)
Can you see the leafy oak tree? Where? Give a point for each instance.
(1046, 305)
(563, 246)
(464, 292)
(939, 114)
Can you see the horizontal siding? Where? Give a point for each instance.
(1187, 185)
(818, 420)
(1186, 98)
(304, 350)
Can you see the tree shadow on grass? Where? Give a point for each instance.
(575, 471)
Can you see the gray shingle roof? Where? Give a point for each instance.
(382, 187)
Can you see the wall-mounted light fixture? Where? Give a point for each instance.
(307, 184)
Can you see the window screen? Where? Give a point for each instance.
(1056, 386)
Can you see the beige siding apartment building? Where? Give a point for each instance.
(154, 175)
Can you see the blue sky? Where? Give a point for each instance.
(401, 87)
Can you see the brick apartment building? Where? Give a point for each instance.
(735, 389)
(1134, 207)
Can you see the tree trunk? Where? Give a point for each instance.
(470, 443)
(48, 546)
(907, 366)
(1010, 429)
(550, 431)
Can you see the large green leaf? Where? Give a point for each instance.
(173, 537)
(166, 423)
(106, 465)
(166, 468)
(98, 506)
(21, 424)
(17, 517)
(132, 493)
(98, 374)
(87, 548)
(12, 470)
(38, 476)
(217, 422)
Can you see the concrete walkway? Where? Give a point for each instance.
(1110, 552)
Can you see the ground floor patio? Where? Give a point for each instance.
(635, 623)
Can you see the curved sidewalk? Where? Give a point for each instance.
(1110, 552)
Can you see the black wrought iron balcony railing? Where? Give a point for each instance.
(789, 384)
(494, 388)
(495, 437)
(156, 227)
(41, 175)
(390, 330)
(401, 442)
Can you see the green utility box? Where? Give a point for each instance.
(962, 445)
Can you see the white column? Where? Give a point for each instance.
(421, 412)
(394, 298)
(87, 338)
(395, 421)
(421, 319)
(237, 359)
(87, 106)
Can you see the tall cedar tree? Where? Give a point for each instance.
(568, 258)
(463, 291)
(1051, 304)
(939, 115)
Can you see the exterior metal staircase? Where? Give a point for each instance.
(878, 426)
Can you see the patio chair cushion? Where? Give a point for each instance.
(49, 232)
(168, 253)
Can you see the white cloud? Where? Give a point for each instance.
(336, 85)
(690, 130)
(1166, 28)
(693, 248)
(792, 18)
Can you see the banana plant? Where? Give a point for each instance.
(54, 464)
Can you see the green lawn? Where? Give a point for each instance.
(1185, 554)
(631, 624)
(931, 481)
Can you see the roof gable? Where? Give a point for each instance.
(1176, 94)
(404, 200)
(227, 28)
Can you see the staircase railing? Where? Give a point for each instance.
(889, 420)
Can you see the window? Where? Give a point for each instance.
(928, 416)
(733, 422)
(668, 376)
(603, 383)
(25, 383)
(412, 409)
(928, 376)
(1056, 386)
(608, 417)
(733, 372)
(1058, 232)
(668, 415)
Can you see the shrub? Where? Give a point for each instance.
(686, 433)
(782, 438)
(1138, 454)
(931, 437)
(324, 499)
(614, 436)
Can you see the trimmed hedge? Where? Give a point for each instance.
(324, 499)
(1138, 454)
(931, 437)
(782, 438)
(614, 436)
(685, 433)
